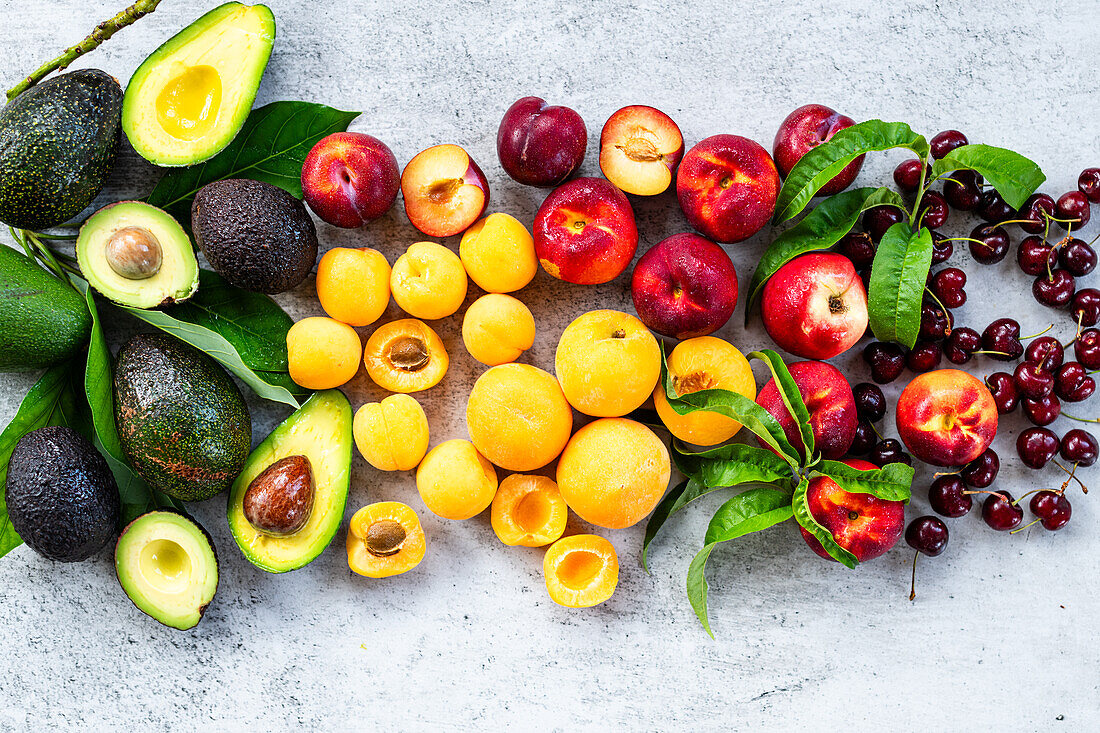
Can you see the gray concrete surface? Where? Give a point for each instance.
(1001, 636)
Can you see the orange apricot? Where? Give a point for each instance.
(353, 285)
(581, 570)
(428, 281)
(392, 434)
(385, 539)
(405, 356)
(455, 480)
(528, 510)
(499, 254)
(322, 353)
(497, 328)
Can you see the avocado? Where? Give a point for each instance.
(182, 421)
(167, 565)
(137, 255)
(57, 142)
(62, 498)
(188, 100)
(255, 235)
(319, 431)
(43, 321)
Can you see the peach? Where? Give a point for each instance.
(862, 524)
(497, 328)
(946, 417)
(385, 539)
(353, 285)
(456, 481)
(684, 286)
(528, 510)
(350, 178)
(581, 571)
(539, 144)
(815, 306)
(806, 128)
(428, 281)
(392, 434)
(702, 363)
(585, 232)
(405, 356)
(607, 363)
(727, 186)
(830, 402)
(613, 472)
(444, 190)
(499, 254)
(639, 149)
(518, 417)
(322, 353)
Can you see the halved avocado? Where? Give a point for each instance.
(137, 255)
(166, 564)
(189, 99)
(320, 430)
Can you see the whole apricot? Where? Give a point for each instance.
(353, 285)
(497, 328)
(385, 539)
(405, 356)
(613, 472)
(607, 362)
(518, 417)
(499, 254)
(428, 281)
(392, 434)
(322, 353)
(529, 511)
(455, 480)
(581, 571)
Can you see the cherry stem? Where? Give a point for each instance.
(1033, 491)
(1021, 529)
(939, 302)
(1072, 476)
(937, 474)
(965, 239)
(1036, 335)
(997, 494)
(1082, 419)
(913, 582)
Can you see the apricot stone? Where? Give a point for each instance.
(322, 353)
(497, 328)
(428, 281)
(528, 510)
(455, 480)
(353, 285)
(499, 254)
(392, 434)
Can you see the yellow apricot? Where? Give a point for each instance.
(392, 434)
(607, 362)
(497, 329)
(702, 363)
(528, 510)
(581, 570)
(385, 539)
(455, 480)
(405, 356)
(428, 281)
(613, 472)
(518, 417)
(322, 353)
(499, 254)
(353, 285)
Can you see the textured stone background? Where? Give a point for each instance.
(1001, 634)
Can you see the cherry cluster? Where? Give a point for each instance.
(870, 409)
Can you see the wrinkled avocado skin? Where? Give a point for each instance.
(62, 499)
(255, 235)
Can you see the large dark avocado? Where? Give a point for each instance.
(57, 142)
(182, 421)
(43, 321)
(255, 235)
(62, 499)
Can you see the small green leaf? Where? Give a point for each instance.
(805, 519)
(822, 163)
(731, 465)
(791, 396)
(1011, 174)
(892, 482)
(896, 290)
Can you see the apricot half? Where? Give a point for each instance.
(581, 571)
(353, 285)
(385, 539)
(455, 480)
(428, 281)
(529, 511)
(392, 434)
(322, 353)
(497, 328)
(405, 356)
(499, 254)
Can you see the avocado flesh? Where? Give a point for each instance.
(321, 431)
(166, 564)
(177, 278)
(188, 100)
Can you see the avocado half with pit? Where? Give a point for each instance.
(288, 502)
(137, 255)
(188, 100)
(166, 564)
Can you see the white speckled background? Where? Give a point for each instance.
(1002, 634)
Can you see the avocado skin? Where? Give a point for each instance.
(62, 498)
(182, 421)
(57, 142)
(42, 320)
(255, 235)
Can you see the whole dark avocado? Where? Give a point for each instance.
(62, 499)
(182, 421)
(57, 142)
(255, 235)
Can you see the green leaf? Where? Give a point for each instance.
(750, 511)
(822, 163)
(676, 499)
(822, 228)
(792, 398)
(731, 465)
(805, 519)
(896, 290)
(892, 482)
(270, 147)
(1014, 176)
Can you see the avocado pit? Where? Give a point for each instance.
(279, 501)
(134, 253)
(385, 537)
